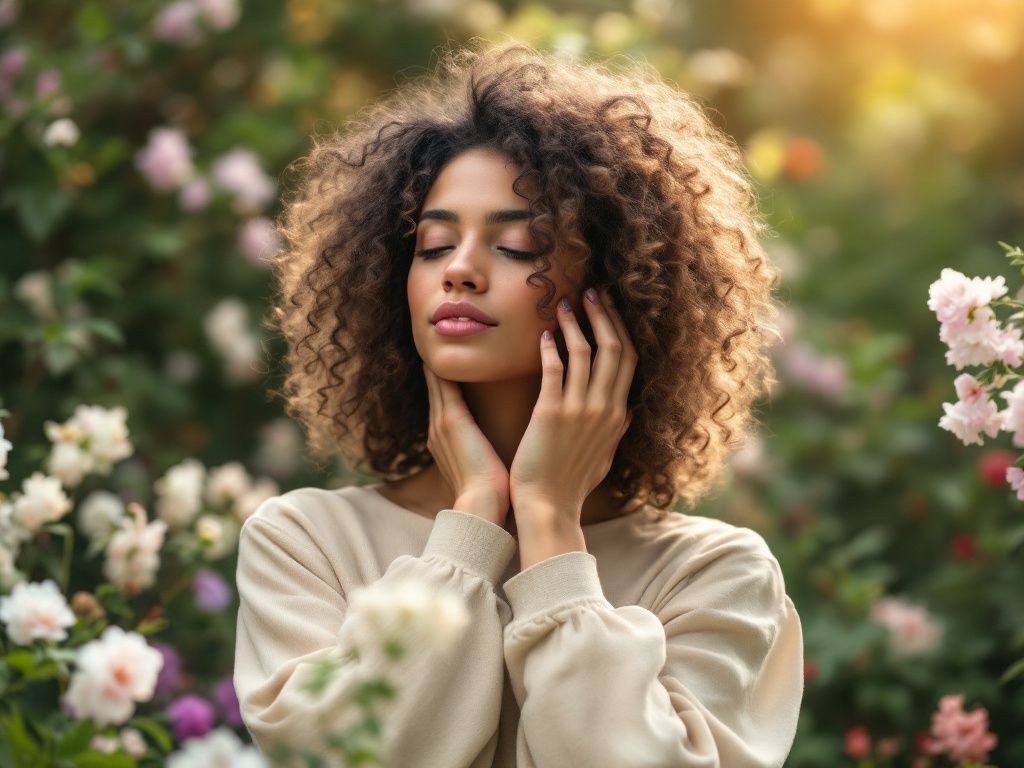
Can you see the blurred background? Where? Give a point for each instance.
(140, 170)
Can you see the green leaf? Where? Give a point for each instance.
(76, 739)
(93, 24)
(1015, 670)
(40, 209)
(17, 735)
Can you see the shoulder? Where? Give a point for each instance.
(305, 514)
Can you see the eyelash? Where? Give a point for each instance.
(518, 255)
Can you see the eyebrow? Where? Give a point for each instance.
(494, 217)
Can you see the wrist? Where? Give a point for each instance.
(481, 504)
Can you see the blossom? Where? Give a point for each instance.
(176, 23)
(111, 674)
(226, 327)
(100, 514)
(62, 131)
(133, 742)
(36, 611)
(179, 493)
(133, 554)
(5, 447)
(960, 735)
(1012, 419)
(239, 172)
(219, 747)
(973, 414)
(42, 501)
(824, 375)
(259, 241)
(190, 716)
(218, 534)
(967, 322)
(227, 699)
(90, 441)
(227, 483)
(1015, 477)
(36, 290)
(992, 467)
(219, 14)
(211, 591)
(70, 463)
(857, 742)
(912, 630)
(166, 160)
(195, 195)
(170, 678)
(280, 448)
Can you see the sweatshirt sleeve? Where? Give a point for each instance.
(292, 614)
(711, 676)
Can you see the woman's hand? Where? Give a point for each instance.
(464, 456)
(569, 444)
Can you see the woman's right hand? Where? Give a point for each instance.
(464, 456)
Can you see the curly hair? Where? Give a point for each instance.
(632, 179)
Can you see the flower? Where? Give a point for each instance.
(1013, 417)
(36, 611)
(190, 716)
(227, 483)
(1015, 477)
(219, 14)
(218, 534)
(973, 413)
(133, 742)
(176, 23)
(100, 514)
(166, 160)
(238, 172)
(960, 735)
(992, 467)
(170, 678)
(912, 630)
(259, 241)
(42, 501)
(219, 747)
(90, 441)
(5, 447)
(195, 195)
(257, 493)
(211, 591)
(111, 674)
(227, 699)
(133, 552)
(62, 131)
(857, 742)
(179, 493)
(36, 290)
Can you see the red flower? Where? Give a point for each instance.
(858, 742)
(810, 671)
(804, 158)
(963, 546)
(992, 467)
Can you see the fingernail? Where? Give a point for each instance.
(564, 305)
(592, 295)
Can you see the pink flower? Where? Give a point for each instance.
(176, 23)
(857, 742)
(824, 375)
(1012, 419)
(166, 160)
(239, 173)
(912, 629)
(220, 14)
(47, 83)
(1015, 477)
(960, 735)
(992, 467)
(973, 414)
(959, 302)
(36, 611)
(195, 195)
(259, 241)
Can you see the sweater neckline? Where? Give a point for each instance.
(599, 525)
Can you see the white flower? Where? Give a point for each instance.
(5, 447)
(179, 493)
(226, 321)
(176, 23)
(410, 612)
(100, 514)
(221, 14)
(36, 290)
(11, 532)
(70, 463)
(280, 448)
(111, 674)
(133, 554)
(108, 745)
(259, 241)
(249, 502)
(42, 501)
(959, 301)
(132, 742)
(10, 576)
(219, 533)
(973, 413)
(227, 483)
(912, 630)
(217, 749)
(239, 173)
(62, 131)
(36, 611)
(166, 160)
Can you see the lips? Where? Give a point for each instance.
(462, 309)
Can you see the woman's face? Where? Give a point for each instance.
(477, 224)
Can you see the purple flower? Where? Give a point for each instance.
(169, 679)
(212, 593)
(191, 716)
(227, 700)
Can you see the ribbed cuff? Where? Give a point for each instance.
(472, 542)
(555, 580)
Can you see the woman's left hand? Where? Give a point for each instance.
(568, 446)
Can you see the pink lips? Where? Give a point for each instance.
(450, 326)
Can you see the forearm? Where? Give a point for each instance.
(545, 533)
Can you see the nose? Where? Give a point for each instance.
(465, 265)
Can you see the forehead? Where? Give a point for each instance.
(476, 181)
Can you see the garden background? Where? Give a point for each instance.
(885, 137)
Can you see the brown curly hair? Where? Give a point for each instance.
(632, 179)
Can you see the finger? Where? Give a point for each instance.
(628, 358)
(551, 365)
(579, 355)
(609, 352)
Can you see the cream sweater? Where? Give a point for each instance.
(667, 644)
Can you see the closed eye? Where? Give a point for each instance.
(512, 252)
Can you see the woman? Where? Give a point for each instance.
(427, 247)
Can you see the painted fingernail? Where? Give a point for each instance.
(592, 295)
(564, 305)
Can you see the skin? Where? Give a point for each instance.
(535, 447)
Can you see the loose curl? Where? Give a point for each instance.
(632, 180)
